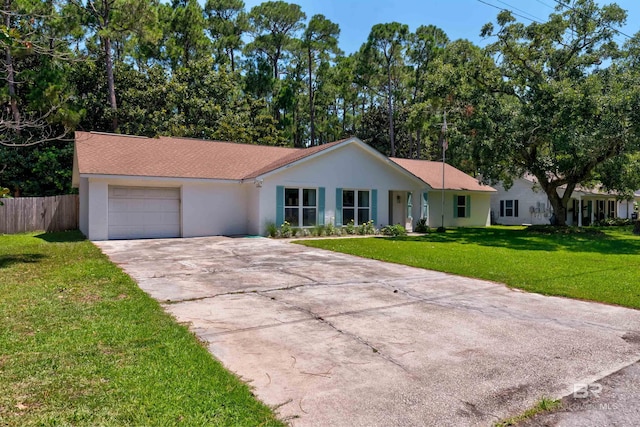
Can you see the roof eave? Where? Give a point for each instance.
(159, 178)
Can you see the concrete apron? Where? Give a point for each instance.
(333, 339)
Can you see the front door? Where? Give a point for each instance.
(397, 207)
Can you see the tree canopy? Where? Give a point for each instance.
(562, 101)
(557, 99)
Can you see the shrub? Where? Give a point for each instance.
(394, 230)
(422, 226)
(330, 229)
(319, 230)
(360, 230)
(285, 230)
(613, 222)
(441, 230)
(367, 228)
(272, 229)
(636, 228)
(350, 228)
(370, 228)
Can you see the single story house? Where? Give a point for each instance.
(526, 203)
(136, 187)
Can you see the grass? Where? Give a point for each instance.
(81, 344)
(543, 405)
(591, 264)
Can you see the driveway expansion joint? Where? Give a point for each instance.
(355, 337)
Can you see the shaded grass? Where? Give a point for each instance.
(81, 344)
(591, 264)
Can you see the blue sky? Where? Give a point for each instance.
(458, 18)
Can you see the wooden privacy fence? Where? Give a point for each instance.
(23, 214)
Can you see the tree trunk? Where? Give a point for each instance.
(390, 104)
(344, 117)
(411, 145)
(312, 134)
(106, 42)
(232, 59)
(559, 204)
(418, 140)
(11, 78)
(276, 86)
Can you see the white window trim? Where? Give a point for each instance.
(301, 206)
(355, 206)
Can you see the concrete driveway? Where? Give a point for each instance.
(332, 339)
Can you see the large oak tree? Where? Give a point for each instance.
(561, 104)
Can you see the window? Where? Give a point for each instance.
(356, 206)
(461, 206)
(600, 212)
(612, 208)
(508, 208)
(300, 206)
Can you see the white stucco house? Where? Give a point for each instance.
(137, 187)
(525, 203)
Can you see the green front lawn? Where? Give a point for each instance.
(81, 344)
(592, 264)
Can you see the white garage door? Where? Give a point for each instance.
(143, 213)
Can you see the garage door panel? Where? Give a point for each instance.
(140, 212)
(161, 205)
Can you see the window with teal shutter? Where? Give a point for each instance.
(279, 205)
(321, 206)
(338, 207)
(374, 206)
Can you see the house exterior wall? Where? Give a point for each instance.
(626, 208)
(254, 211)
(347, 167)
(533, 204)
(207, 208)
(479, 212)
(210, 209)
(98, 209)
(83, 208)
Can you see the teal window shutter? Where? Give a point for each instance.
(279, 205)
(425, 204)
(321, 206)
(374, 206)
(455, 206)
(338, 207)
(468, 207)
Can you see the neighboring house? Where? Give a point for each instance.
(523, 203)
(526, 203)
(136, 187)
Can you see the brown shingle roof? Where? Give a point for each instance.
(431, 173)
(111, 154)
(294, 157)
(164, 157)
